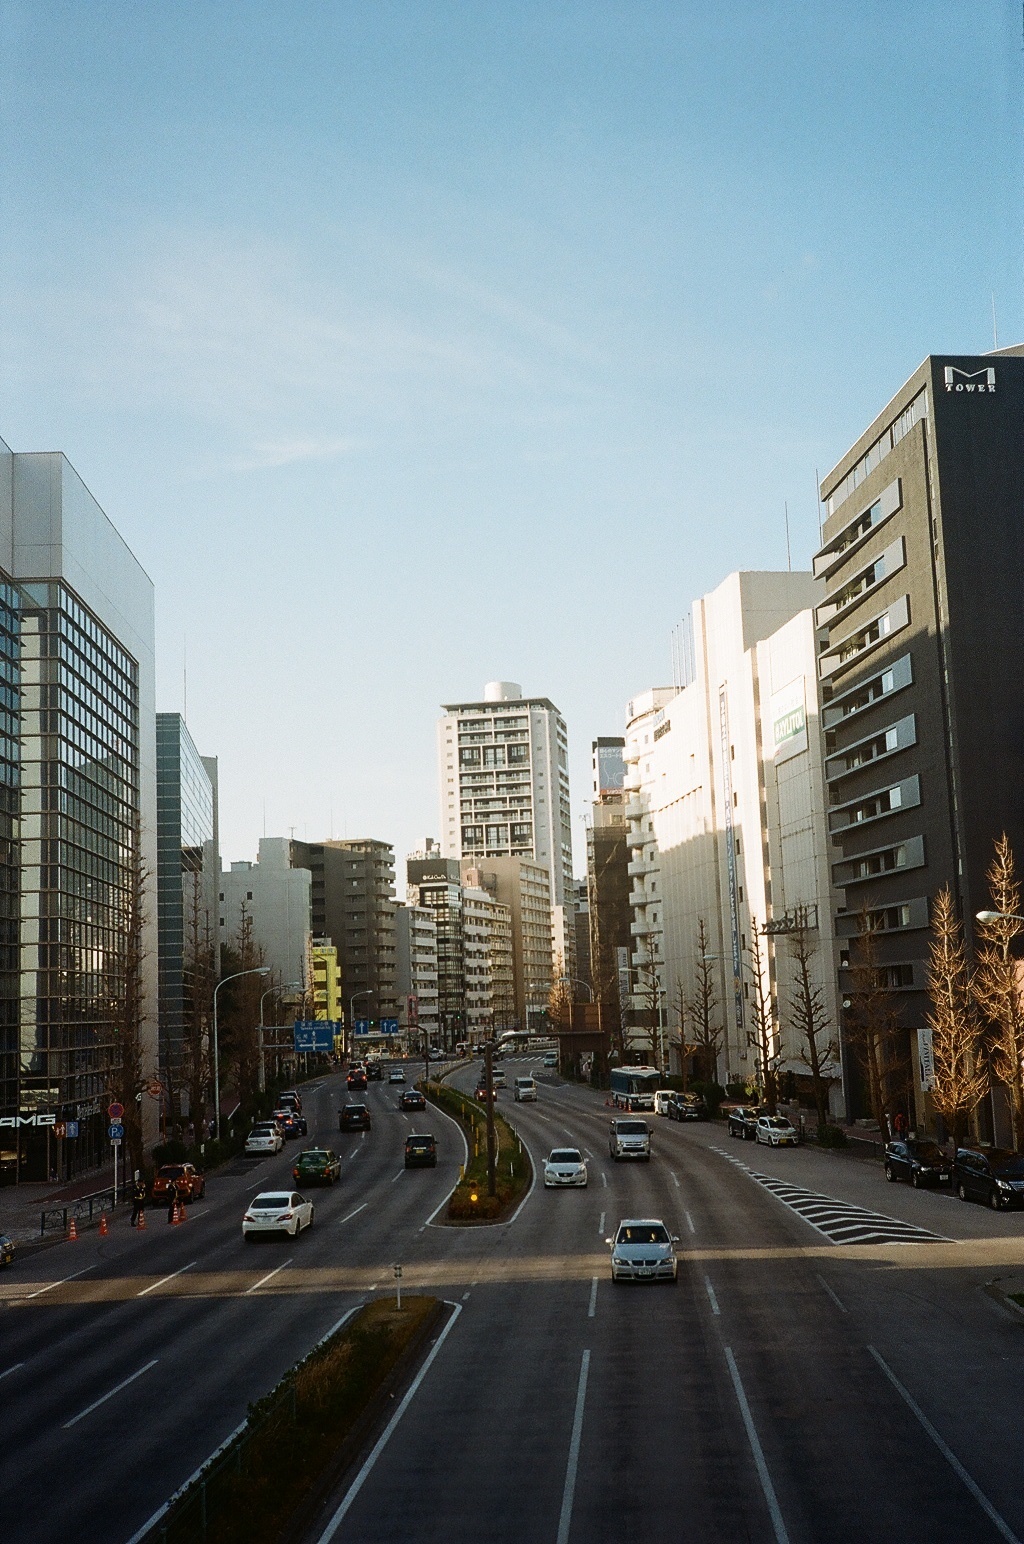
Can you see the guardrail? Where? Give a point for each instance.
(85, 1210)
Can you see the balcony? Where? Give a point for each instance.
(643, 929)
(635, 809)
(640, 866)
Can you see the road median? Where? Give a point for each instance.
(470, 1202)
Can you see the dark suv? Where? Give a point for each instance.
(991, 1174)
(687, 1107)
(420, 1151)
(353, 1117)
(922, 1163)
(743, 1123)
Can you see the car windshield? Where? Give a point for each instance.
(269, 1203)
(171, 1171)
(776, 1122)
(565, 1155)
(355, 1109)
(1011, 1167)
(928, 1152)
(419, 1142)
(632, 1128)
(261, 1131)
(314, 1155)
(644, 1233)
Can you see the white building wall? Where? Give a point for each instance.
(416, 966)
(279, 900)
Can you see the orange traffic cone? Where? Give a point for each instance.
(142, 1220)
(177, 1213)
(104, 1229)
(72, 1232)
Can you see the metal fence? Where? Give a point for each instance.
(85, 1210)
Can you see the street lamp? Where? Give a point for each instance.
(350, 1027)
(259, 970)
(291, 986)
(997, 916)
(575, 981)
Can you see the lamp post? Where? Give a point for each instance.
(575, 981)
(350, 1027)
(291, 986)
(258, 970)
(997, 916)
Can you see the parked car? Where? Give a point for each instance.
(412, 1099)
(292, 1124)
(565, 1166)
(643, 1250)
(420, 1151)
(742, 1122)
(265, 1138)
(550, 1059)
(687, 1107)
(6, 1249)
(290, 1099)
(353, 1117)
(991, 1174)
(776, 1131)
(629, 1139)
(524, 1089)
(662, 1099)
(922, 1163)
(276, 1212)
(190, 1183)
(396, 1075)
(317, 1165)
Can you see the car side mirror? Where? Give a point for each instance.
(609, 1241)
(675, 1238)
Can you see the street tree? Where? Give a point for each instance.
(961, 1077)
(702, 1007)
(126, 995)
(762, 1036)
(809, 1019)
(683, 1038)
(199, 978)
(997, 981)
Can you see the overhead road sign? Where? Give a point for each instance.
(389, 1026)
(363, 1026)
(316, 1034)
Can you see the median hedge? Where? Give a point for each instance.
(470, 1201)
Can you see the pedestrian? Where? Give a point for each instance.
(172, 1200)
(900, 1125)
(138, 1199)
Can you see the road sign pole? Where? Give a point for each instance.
(116, 1145)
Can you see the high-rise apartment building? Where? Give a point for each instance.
(188, 884)
(609, 915)
(504, 781)
(524, 888)
(78, 816)
(488, 963)
(726, 813)
(435, 883)
(922, 660)
(353, 904)
(325, 973)
(416, 974)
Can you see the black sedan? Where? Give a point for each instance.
(922, 1163)
(743, 1123)
(353, 1117)
(412, 1099)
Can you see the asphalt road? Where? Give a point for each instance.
(789, 1387)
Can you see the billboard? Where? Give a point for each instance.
(789, 720)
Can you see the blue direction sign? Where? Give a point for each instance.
(362, 1026)
(71, 1128)
(115, 1131)
(315, 1034)
(389, 1026)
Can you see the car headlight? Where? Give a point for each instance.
(618, 1260)
(1003, 1185)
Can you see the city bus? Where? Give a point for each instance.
(633, 1088)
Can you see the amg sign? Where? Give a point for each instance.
(964, 380)
(27, 1120)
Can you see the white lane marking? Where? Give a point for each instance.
(161, 1511)
(268, 1277)
(465, 1163)
(774, 1511)
(689, 1222)
(587, 1153)
(593, 1298)
(675, 1179)
(153, 1286)
(711, 1294)
(382, 1441)
(465, 1295)
(533, 1182)
(565, 1516)
(570, 1134)
(109, 1395)
(355, 1213)
(604, 1178)
(53, 1284)
(600, 1226)
(832, 1295)
(9, 1370)
(398, 1175)
(947, 1452)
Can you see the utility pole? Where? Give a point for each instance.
(492, 1147)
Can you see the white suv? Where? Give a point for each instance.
(525, 1088)
(629, 1139)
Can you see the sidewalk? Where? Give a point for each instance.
(21, 1205)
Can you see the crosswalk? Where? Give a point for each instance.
(839, 1221)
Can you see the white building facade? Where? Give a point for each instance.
(416, 983)
(278, 898)
(726, 819)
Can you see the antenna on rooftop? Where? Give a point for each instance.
(789, 555)
(995, 334)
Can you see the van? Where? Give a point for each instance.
(629, 1139)
(550, 1059)
(525, 1088)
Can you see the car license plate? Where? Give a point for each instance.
(645, 1271)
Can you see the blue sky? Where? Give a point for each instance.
(416, 344)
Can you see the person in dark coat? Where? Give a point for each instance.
(172, 1199)
(138, 1199)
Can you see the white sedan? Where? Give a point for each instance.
(396, 1075)
(277, 1211)
(267, 1138)
(776, 1131)
(565, 1166)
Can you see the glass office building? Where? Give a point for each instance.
(10, 865)
(187, 884)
